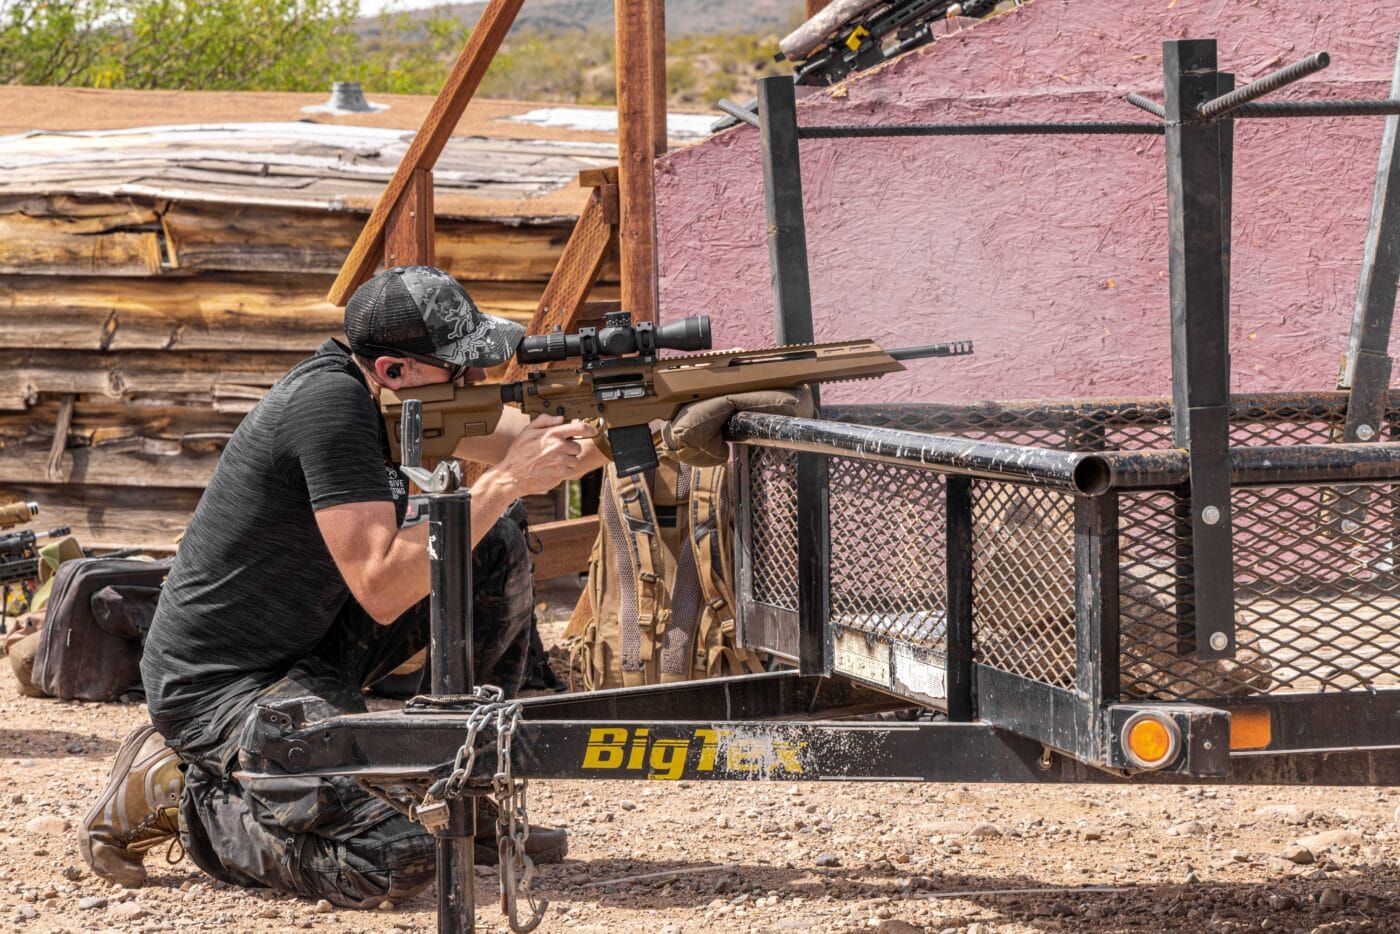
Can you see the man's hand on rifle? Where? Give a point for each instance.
(696, 434)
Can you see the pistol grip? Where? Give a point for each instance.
(632, 449)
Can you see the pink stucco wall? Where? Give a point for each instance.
(1050, 252)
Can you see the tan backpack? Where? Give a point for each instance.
(659, 606)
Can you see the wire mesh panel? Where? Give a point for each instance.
(772, 504)
(1317, 601)
(1023, 580)
(1267, 418)
(888, 535)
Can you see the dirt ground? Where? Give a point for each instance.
(694, 857)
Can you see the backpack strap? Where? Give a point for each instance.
(717, 641)
(687, 592)
(632, 497)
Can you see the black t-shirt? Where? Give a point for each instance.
(254, 588)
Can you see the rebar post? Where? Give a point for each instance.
(1220, 106)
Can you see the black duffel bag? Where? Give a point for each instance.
(96, 622)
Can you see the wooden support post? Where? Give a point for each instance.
(427, 145)
(573, 277)
(409, 235)
(636, 152)
(656, 27)
(816, 6)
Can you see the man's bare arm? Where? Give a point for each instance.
(386, 568)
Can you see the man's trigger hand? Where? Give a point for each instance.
(696, 434)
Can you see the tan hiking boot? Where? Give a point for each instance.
(138, 811)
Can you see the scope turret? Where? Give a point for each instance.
(618, 337)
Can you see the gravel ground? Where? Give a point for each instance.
(691, 857)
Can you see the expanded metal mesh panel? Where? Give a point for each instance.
(1023, 581)
(772, 499)
(1316, 608)
(1136, 425)
(888, 541)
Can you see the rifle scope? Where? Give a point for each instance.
(618, 337)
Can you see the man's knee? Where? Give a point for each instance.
(394, 861)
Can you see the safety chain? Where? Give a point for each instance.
(517, 870)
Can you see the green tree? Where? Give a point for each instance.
(206, 44)
(52, 43)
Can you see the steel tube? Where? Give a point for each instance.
(1260, 465)
(450, 603)
(450, 647)
(1225, 103)
(980, 129)
(1060, 414)
(1086, 474)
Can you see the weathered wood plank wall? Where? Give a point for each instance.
(165, 321)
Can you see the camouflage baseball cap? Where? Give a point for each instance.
(421, 311)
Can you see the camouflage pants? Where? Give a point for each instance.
(329, 838)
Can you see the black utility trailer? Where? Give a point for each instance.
(1195, 589)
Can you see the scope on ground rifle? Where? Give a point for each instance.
(16, 513)
(618, 337)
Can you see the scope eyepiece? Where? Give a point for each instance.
(618, 337)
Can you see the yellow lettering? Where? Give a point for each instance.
(742, 756)
(709, 746)
(668, 759)
(605, 745)
(639, 748)
(787, 756)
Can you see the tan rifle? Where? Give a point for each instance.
(623, 385)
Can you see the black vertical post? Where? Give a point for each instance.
(782, 199)
(450, 621)
(1225, 83)
(1368, 367)
(962, 706)
(1196, 198)
(792, 309)
(1096, 651)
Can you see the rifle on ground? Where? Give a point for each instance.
(19, 561)
(850, 35)
(623, 384)
(21, 544)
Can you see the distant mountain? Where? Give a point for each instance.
(683, 17)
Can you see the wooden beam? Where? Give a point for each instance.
(816, 6)
(53, 468)
(566, 545)
(409, 235)
(215, 311)
(635, 154)
(256, 238)
(656, 28)
(110, 466)
(38, 246)
(131, 515)
(462, 82)
(573, 278)
(596, 178)
(214, 376)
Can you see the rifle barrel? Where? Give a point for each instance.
(949, 349)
